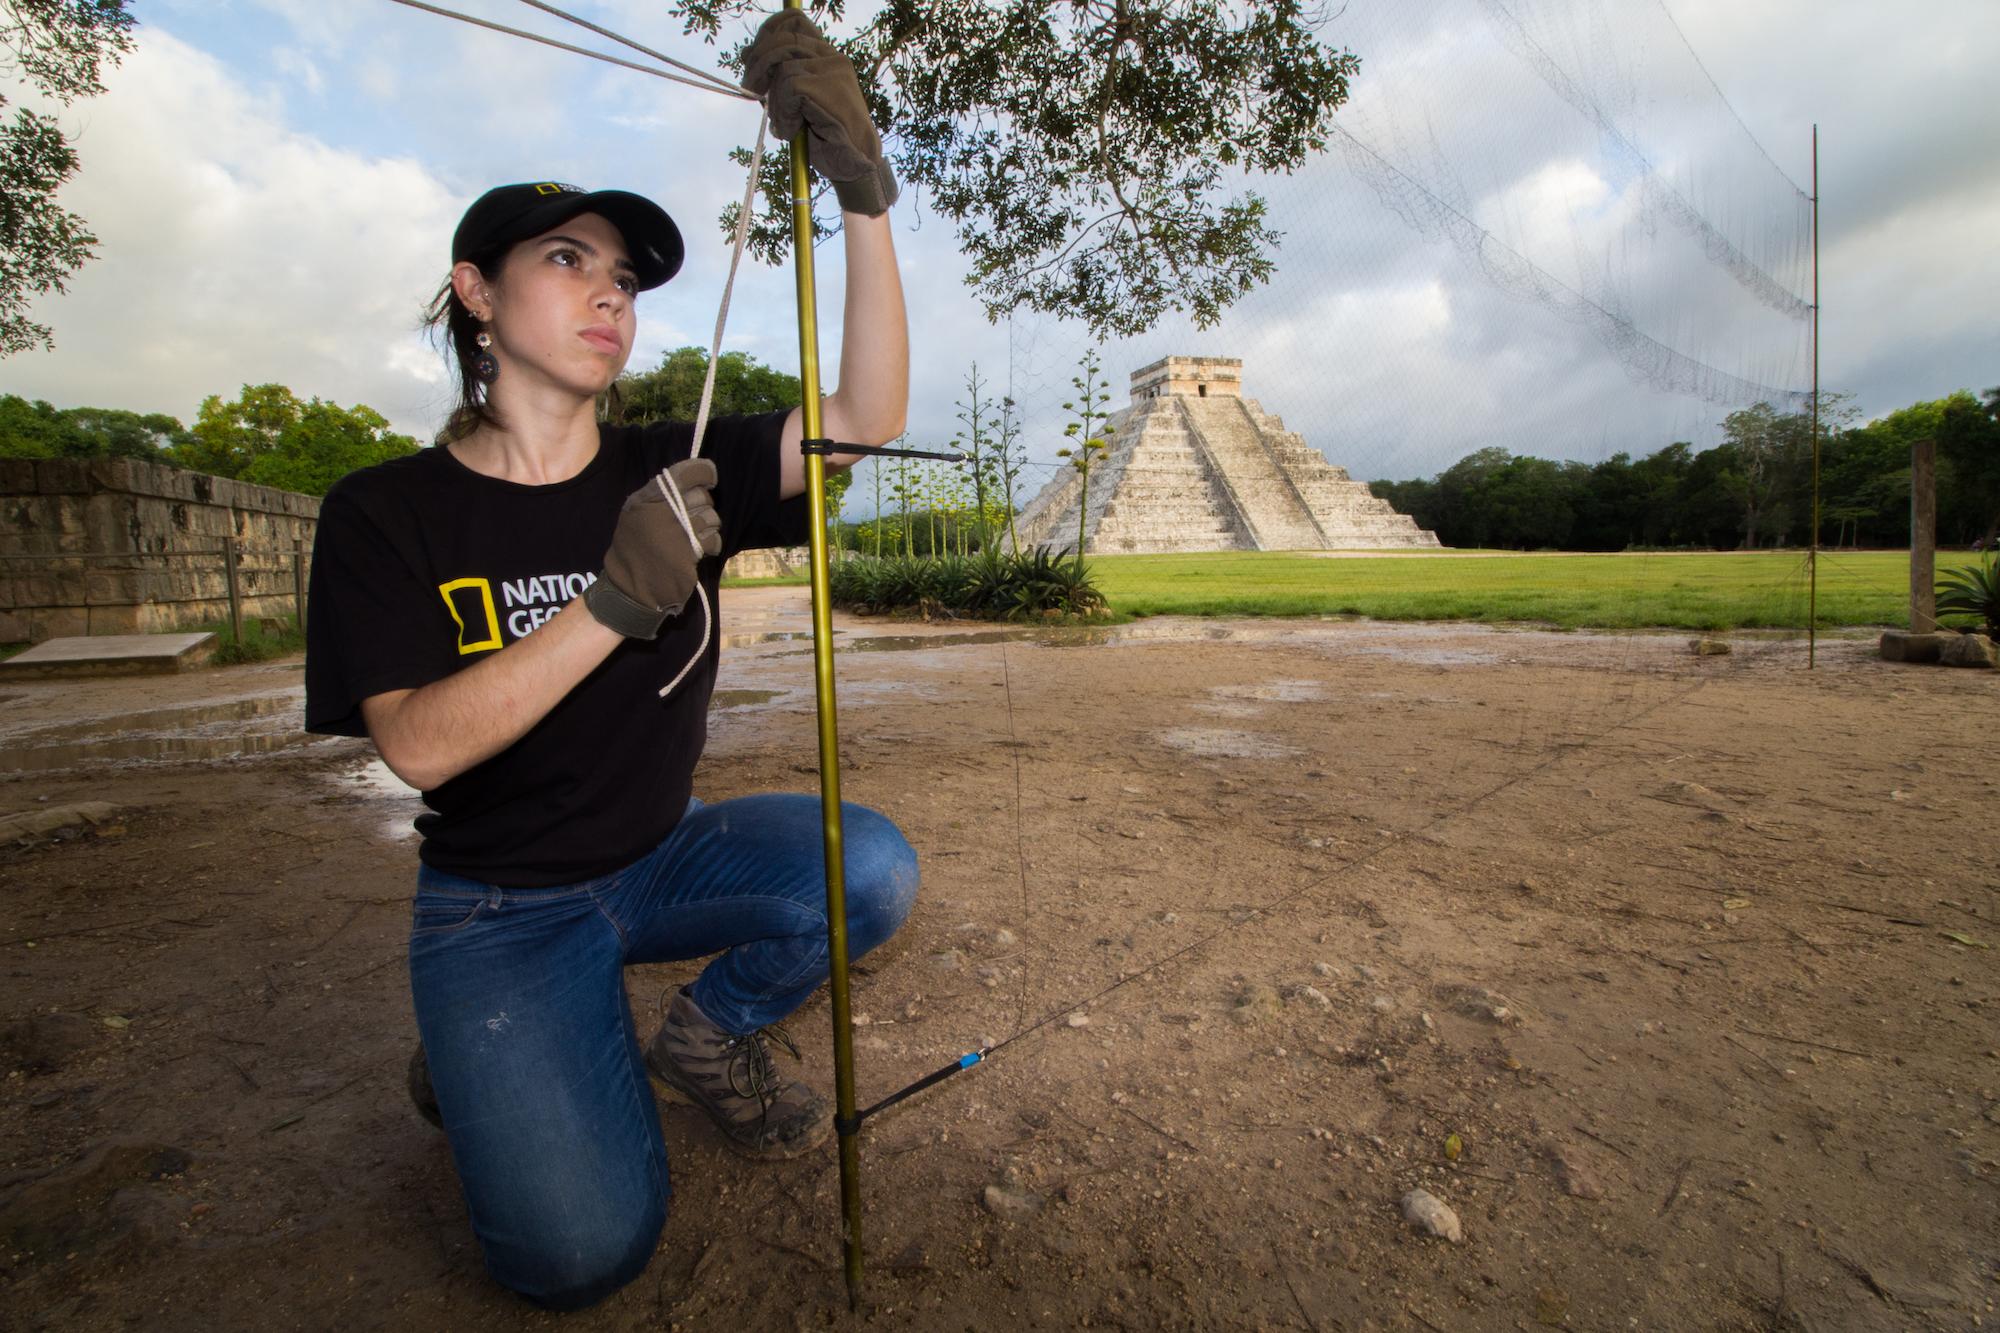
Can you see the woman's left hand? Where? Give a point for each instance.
(806, 82)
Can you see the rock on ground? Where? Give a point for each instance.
(1011, 1203)
(1574, 1173)
(1969, 650)
(1431, 1215)
(1901, 645)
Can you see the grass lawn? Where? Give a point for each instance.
(1703, 591)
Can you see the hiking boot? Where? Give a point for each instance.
(731, 1077)
(422, 1095)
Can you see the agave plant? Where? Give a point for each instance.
(1973, 591)
(991, 583)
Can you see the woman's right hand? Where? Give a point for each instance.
(652, 566)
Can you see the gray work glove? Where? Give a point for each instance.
(650, 570)
(805, 80)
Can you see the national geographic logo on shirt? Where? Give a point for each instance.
(527, 601)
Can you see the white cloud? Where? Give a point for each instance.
(258, 225)
(235, 250)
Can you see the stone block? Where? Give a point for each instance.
(17, 476)
(59, 476)
(113, 587)
(1969, 650)
(113, 474)
(111, 524)
(1899, 645)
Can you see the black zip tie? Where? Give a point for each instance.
(824, 447)
(966, 1061)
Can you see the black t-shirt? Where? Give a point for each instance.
(422, 566)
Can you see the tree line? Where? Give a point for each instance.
(1753, 490)
(269, 436)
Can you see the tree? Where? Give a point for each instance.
(1089, 409)
(269, 438)
(1968, 443)
(38, 430)
(880, 520)
(1011, 460)
(1085, 150)
(60, 47)
(975, 412)
(671, 391)
(837, 484)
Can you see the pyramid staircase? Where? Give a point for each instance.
(1193, 466)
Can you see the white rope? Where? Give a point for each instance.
(707, 86)
(721, 84)
(667, 488)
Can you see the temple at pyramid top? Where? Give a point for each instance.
(1189, 376)
(1193, 465)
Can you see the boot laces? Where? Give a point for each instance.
(751, 1072)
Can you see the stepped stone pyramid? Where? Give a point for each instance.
(1195, 466)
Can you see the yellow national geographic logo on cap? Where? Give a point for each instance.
(556, 187)
(481, 614)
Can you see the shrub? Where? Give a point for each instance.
(1973, 591)
(990, 584)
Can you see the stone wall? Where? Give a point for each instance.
(120, 546)
(770, 563)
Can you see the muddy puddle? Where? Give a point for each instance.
(769, 636)
(744, 698)
(1224, 743)
(394, 803)
(231, 729)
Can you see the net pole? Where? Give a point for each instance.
(846, 1127)
(1812, 597)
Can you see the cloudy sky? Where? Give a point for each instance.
(275, 182)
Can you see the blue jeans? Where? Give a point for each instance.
(520, 1000)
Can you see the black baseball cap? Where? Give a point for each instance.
(508, 214)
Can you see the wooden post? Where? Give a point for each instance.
(299, 581)
(1923, 536)
(229, 572)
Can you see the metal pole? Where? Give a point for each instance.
(845, 1124)
(1812, 561)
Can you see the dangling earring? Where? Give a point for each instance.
(484, 368)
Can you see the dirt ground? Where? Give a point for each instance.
(1669, 974)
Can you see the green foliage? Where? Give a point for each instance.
(671, 391)
(1086, 151)
(256, 645)
(1973, 590)
(1968, 445)
(58, 46)
(269, 438)
(991, 585)
(1753, 490)
(38, 430)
